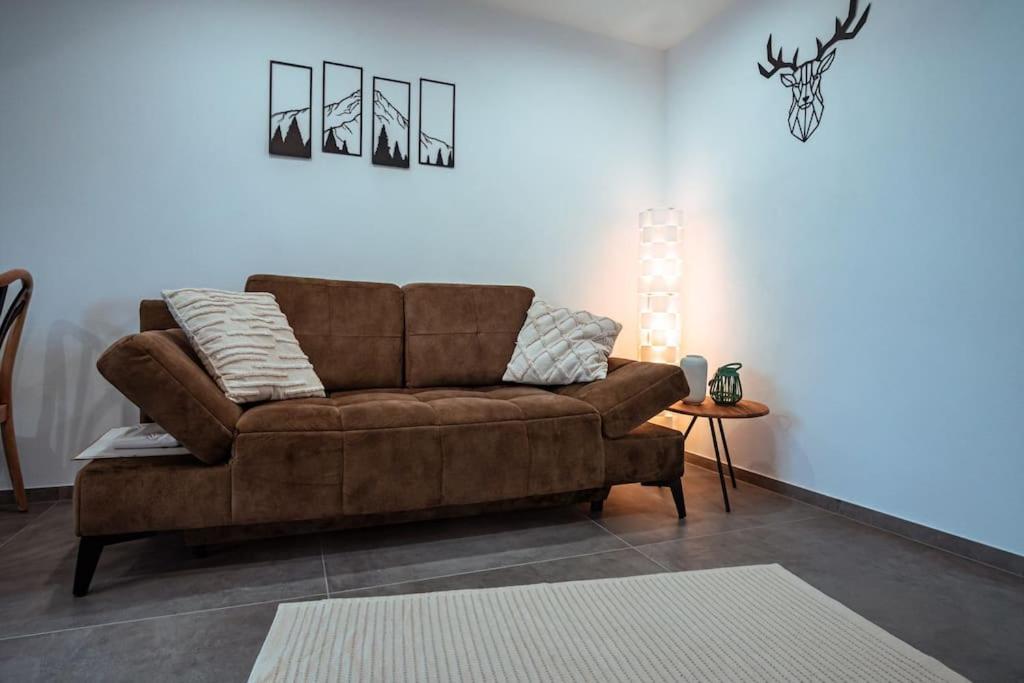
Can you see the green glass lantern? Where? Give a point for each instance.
(725, 387)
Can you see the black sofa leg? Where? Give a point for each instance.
(596, 505)
(89, 551)
(676, 487)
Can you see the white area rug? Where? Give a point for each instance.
(756, 623)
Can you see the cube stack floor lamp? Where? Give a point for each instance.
(661, 237)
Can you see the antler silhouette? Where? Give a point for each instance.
(843, 31)
(777, 62)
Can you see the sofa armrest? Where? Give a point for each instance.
(159, 373)
(632, 393)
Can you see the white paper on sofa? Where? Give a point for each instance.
(149, 435)
(558, 346)
(105, 447)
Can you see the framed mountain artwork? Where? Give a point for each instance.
(342, 115)
(437, 123)
(391, 105)
(291, 109)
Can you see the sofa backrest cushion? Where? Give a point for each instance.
(351, 331)
(461, 335)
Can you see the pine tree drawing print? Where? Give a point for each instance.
(391, 105)
(437, 123)
(342, 114)
(291, 118)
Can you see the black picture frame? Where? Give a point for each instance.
(383, 153)
(428, 144)
(327, 102)
(282, 143)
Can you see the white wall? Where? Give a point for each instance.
(870, 279)
(134, 159)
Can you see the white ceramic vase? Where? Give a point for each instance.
(696, 370)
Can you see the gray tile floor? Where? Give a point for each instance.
(158, 613)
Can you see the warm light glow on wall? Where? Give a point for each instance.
(661, 237)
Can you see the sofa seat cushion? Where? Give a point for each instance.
(396, 408)
(380, 451)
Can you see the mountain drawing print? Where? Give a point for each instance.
(437, 123)
(342, 115)
(343, 123)
(391, 122)
(293, 143)
(291, 95)
(436, 152)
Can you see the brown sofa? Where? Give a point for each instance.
(417, 423)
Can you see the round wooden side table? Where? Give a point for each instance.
(712, 411)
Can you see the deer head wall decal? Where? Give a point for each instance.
(804, 80)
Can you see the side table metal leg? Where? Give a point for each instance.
(687, 432)
(718, 459)
(725, 447)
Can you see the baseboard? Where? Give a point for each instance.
(45, 494)
(964, 547)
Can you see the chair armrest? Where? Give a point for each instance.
(632, 393)
(158, 372)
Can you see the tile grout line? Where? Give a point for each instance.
(731, 531)
(303, 597)
(323, 563)
(761, 488)
(33, 522)
(480, 571)
(621, 539)
(714, 533)
(627, 544)
(158, 616)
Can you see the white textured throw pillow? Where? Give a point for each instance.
(245, 343)
(559, 346)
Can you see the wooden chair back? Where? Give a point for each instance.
(12, 320)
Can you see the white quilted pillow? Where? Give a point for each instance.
(559, 346)
(245, 343)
